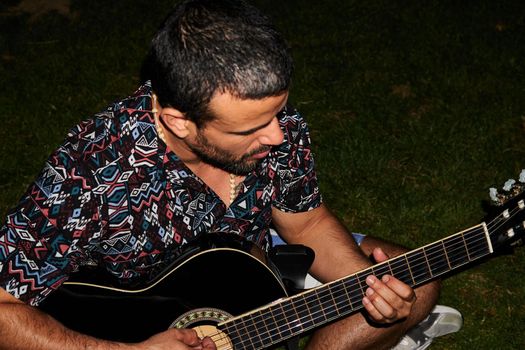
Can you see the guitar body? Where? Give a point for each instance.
(220, 277)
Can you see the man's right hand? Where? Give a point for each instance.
(177, 339)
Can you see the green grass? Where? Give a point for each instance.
(415, 108)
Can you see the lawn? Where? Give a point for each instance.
(416, 109)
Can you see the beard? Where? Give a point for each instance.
(225, 160)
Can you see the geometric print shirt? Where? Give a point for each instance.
(112, 194)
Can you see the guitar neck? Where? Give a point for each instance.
(292, 316)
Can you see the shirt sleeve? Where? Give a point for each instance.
(41, 239)
(297, 185)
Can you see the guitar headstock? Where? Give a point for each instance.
(507, 228)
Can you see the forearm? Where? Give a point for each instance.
(335, 263)
(388, 301)
(26, 328)
(336, 253)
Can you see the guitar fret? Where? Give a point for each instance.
(315, 307)
(466, 247)
(347, 297)
(259, 330)
(320, 314)
(265, 332)
(248, 329)
(234, 334)
(427, 263)
(303, 311)
(437, 257)
(295, 325)
(400, 270)
(341, 299)
(327, 304)
(253, 334)
(381, 270)
(336, 307)
(446, 254)
(477, 247)
(284, 329)
(390, 268)
(279, 319)
(355, 294)
(361, 278)
(418, 265)
(456, 250)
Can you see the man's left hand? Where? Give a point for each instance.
(387, 299)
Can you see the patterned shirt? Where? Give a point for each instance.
(113, 194)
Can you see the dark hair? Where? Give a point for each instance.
(209, 46)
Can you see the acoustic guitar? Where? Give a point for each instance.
(225, 288)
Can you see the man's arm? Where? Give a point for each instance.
(23, 327)
(337, 255)
(321, 231)
(388, 301)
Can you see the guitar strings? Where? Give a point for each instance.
(282, 313)
(263, 337)
(500, 219)
(334, 297)
(321, 315)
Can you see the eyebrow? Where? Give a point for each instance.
(252, 130)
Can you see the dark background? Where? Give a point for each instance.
(416, 108)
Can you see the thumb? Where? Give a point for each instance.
(208, 344)
(379, 255)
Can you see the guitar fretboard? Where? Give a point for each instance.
(288, 317)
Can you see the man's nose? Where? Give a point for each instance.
(272, 135)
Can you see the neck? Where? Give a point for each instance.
(177, 144)
(208, 173)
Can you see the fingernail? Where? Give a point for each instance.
(369, 291)
(370, 280)
(385, 278)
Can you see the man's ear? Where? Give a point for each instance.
(176, 121)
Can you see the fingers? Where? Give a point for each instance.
(379, 255)
(178, 339)
(187, 336)
(191, 338)
(388, 300)
(208, 344)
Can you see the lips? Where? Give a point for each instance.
(261, 155)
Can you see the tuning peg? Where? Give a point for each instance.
(522, 176)
(493, 193)
(510, 190)
(508, 185)
(497, 198)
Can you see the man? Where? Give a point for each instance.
(211, 145)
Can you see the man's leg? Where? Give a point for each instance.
(355, 332)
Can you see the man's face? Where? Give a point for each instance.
(241, 134)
